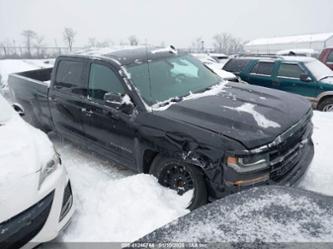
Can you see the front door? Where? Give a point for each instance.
(289, 80)
(105, 125)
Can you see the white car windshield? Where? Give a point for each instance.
(319, 70)
(6, 110)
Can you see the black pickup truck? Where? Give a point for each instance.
(161, 111)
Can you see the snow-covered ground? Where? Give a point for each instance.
(319, 177)
(113, 203)
(116, 204)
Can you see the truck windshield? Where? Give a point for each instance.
(319, 70)
(171, 78)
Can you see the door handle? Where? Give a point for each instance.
(275, 83)
(53, 99)
(87, 112)
(111, 114)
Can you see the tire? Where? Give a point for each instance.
(185, 174)
(326, 105)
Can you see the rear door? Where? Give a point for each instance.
(105, 125)
(261, 74)
(288, 79)
(66, 94)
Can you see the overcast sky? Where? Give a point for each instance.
(177, 22)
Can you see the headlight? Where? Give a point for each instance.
(249, 163)
(49, 168)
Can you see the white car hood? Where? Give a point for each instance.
(217, 68)
(6, 112)
(23, 151)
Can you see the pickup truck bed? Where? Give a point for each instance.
(32, 95)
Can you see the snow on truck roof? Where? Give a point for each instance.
(129, 54)
(291, 39)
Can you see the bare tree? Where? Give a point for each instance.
(92, 42)
(226, 43)
(3, 47)
(103, 44)
(133, 40)
(197, 45)
(69, 35)
(39, 43)
(29, 35)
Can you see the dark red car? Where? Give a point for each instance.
(327, 57)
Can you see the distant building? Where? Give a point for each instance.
(316, 42)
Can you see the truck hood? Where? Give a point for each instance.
(254, 116)
(23, 151)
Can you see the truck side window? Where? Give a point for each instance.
(263, 68)
(103, 80)
(290, 71)
(69, 76)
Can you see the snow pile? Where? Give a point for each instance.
(261, 120)
(319, 177)
(23, 151)
(25, 155)
(6, 111)
(113, 204)
(13, 66)
(130, 208)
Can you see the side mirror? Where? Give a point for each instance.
(112, 98)
(305, 77)
(122, 103)
(19, 109)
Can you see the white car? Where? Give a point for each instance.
(36, 200)
(216, 67)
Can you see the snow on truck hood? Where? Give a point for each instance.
(249, 114)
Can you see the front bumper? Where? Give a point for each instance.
(62, 208)
(290, 156)
(44, 220)
(291, 178)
